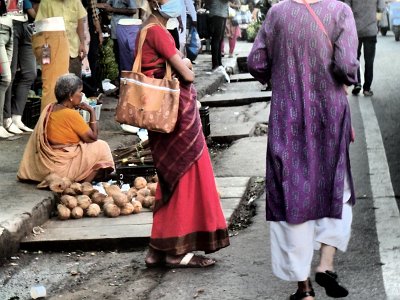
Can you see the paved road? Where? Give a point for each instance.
(386, 102)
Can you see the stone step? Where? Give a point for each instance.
(242, 77)
(229, 132)
(235, 98)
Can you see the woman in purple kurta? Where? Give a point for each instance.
(309, 126)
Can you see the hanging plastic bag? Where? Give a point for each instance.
(193, 44)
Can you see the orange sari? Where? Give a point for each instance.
(75, 161)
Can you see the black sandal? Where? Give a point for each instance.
(329, 281)
(300, 295)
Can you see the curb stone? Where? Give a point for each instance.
(12, 231)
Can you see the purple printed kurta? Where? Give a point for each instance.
(309, 125)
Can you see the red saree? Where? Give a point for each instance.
(187, 214)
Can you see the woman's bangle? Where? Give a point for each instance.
(94, 122)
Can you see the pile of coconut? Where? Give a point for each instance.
(77, 200)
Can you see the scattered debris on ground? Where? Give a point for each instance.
(242, 217)
(260, 129)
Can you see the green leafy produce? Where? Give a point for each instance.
(110, 66)
(252, 31)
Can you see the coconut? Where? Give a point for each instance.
(52, 177)
(98, 198)
(67, 182)
(77, 212)
(83, 201)
(152, 186)
(111, 210)
(63, 212)
(139, 183)
(137, 206)
(77, 187)
(87, 188)
(69, 191)
(127, 209)
(112, 189)
(148, 201)
(140, 198)
(131, 193)
(86, 184)
(120, 199)
(69, 201)
(108, 199)
(57, 186)
(93, 210)
(145, 192)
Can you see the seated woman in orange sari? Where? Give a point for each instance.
(63, 143)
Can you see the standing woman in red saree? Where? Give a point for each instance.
(187, 215)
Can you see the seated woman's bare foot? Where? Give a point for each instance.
(155, 258)
(188, 260)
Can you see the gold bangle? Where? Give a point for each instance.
(94, 122)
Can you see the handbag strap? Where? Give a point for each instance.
(319, 23)
(137, 65)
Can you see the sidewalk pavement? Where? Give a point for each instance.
(23, 206)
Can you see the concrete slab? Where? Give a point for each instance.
(235, 98)
(240, 87)
(232, 192)
(241, 77)
(256, 112)
(229, 132)
(232, 181)
(22, 208)
(233, 162)
(229, 204)
(100, 228)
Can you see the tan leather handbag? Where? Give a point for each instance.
(147, 102)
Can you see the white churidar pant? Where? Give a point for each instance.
(293, 245)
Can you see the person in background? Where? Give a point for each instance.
(187, 215)
(174, 25)
(6, 48)
(58, 42)
(63, 143)
(309, 186)
(119, 9)
(23, 59)
(232, 31)
(367, 30)
(92, 84)
(35, 7)
(187, 9)
(218, 12)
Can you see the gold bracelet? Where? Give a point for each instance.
(94, 122)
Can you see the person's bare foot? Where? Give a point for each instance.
(188, 260)
(154, 258)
